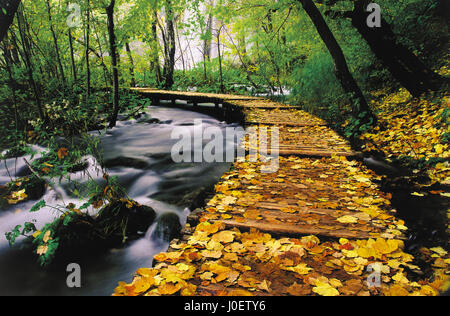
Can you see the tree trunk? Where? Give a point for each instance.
(106, 73)
(154, 63)
(222, 87)
(10, 7)
(181, 51)
(130, 57)
(27, 59)
(341, 70)
(402, 63)
(15, 51)
(169, 64)
(11, 83)
(55, 42)
(88, 67)
(72, 57)
(113, 53)
(207, 42)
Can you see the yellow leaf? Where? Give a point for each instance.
(146, 272)
(439, 250)
(47, 236)
(400, 278)
(288, 210)
(143, 284)
(301, 269)
(347, 219)
(42, 250)
(325, 289)
(169, 288)
(208, 227)
(224, 237)
(397, 290)
(189, 290)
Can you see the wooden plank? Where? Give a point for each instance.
(295, 230)
(192, 95)
(319, 154)
(292, 124)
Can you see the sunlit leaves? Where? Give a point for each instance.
(413, 129)
(16, 197)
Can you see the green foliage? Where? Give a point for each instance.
(68, 229)
(357, 126)
(315, 84)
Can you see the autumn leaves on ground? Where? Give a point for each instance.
(321, 224)
(228, 252)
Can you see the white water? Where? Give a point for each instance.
(162, 180)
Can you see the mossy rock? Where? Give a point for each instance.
(3, 203)
(168, 227)
(116, 224)
(126, 217)
(34, 189)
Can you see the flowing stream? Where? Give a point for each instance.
(139, 154)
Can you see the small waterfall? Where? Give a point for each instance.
(139, 155)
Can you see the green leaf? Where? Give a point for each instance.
(12, 236)
(67, 220)
(28, 228)
(37, 206)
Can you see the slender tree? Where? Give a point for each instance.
(114, 64)
(26, 46)
(219, 33)
(55, 42)
(87, 43)
(11, 83)
(130, 57)
(72, 56)
(170, 47)
(154, 62)
(341, 69)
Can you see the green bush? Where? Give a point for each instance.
(315, 85)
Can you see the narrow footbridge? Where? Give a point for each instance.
(313, 227)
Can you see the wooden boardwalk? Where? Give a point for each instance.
(310, 226)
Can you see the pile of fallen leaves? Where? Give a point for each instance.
(415, 129)
(219, 262)
(333, 197)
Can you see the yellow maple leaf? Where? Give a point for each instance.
(143, 284)
(301, 269)
(224, 237)
(208, 227)
(189, 290)
(325, 289)
(169, 288)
